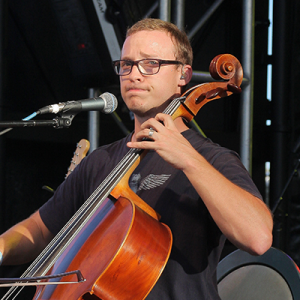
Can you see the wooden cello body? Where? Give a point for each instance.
(138, 250)
(121, 251)
(116, 239)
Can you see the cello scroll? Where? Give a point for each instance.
(132, 247)
(225, 67)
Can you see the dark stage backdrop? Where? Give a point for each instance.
(54, 52)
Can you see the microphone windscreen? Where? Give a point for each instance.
(111, 102)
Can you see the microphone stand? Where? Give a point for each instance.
(280, 198)
(63, 121)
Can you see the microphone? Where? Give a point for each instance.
(106, 103)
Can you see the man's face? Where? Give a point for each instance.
(146, 95)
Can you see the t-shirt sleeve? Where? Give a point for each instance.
(227, 162)
(71, 193)
(62, 205)
(80, 184)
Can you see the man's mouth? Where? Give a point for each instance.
(135, 88)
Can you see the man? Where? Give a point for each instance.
(201, 190)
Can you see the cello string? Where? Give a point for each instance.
(102, 191)
(54, 242)
(119, 169)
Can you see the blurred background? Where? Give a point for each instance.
(54, 51)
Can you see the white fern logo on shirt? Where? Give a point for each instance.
(153, 181)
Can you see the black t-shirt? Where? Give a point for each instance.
(197, 241)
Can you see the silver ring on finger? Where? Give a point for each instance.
(151, 131)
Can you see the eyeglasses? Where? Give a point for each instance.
(145, 66)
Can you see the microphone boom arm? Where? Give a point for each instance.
(63, 121)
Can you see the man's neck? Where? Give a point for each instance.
(179, 123)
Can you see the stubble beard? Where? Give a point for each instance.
(144, 113)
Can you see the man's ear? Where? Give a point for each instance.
(186, 75)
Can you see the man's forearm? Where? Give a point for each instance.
(24, 241)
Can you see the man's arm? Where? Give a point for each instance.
(24, 241)
(244, 219)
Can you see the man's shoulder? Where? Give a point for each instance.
(117, 147)
(209, 149)
(199, 141)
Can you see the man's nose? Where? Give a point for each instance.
(135, 72)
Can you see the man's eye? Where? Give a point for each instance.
(152, 63)
(125, 64)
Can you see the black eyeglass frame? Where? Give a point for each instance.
(136, 63)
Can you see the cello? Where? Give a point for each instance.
(114, 229)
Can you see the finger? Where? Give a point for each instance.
(145, 134)
(151, 132)
(166, 120)
(144, 144)
(151, 123)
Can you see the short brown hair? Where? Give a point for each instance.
(184, 52)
